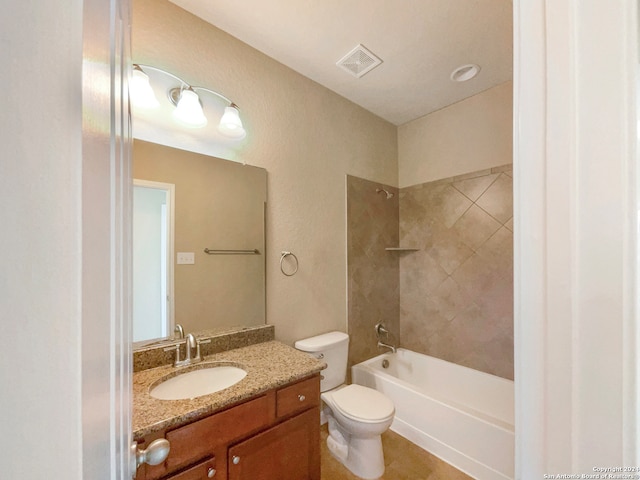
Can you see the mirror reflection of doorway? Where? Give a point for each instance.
(152, 260)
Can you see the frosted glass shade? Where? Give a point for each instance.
(141, 92)
(189, 110)
(230, 124)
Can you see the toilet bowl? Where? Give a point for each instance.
(357, 416)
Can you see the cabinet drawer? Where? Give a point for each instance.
(198, 439)
(298, 397)
(202, 471)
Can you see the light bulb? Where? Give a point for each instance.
(140, 90)
(230, 123)
(189, 110)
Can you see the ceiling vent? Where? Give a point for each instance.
(359, 61)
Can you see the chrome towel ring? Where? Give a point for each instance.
(285, 255)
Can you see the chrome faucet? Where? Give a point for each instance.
(179, 331)
(190, 343)
(382, 330)
(384, 345)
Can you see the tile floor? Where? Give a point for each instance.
(403, 461)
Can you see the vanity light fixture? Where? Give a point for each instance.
(189, 110)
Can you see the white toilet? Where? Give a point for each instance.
(357, 415)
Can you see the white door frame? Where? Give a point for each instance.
(574, 146)
(575, 213)
(170, 190)
(106, 241)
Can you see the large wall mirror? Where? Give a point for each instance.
(199, 242)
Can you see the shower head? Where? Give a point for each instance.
(387, 193)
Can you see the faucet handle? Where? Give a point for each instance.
(198, 343)
(175, 347)
(381, 329)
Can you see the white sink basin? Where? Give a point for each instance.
(198, 382)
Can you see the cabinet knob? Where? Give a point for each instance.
(235, 460)
(302, 398)
(211, 472)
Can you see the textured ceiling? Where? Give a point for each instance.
(420, 42)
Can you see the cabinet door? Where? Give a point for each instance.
(202, 471)
(288, 451)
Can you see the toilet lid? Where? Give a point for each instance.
(363, 403)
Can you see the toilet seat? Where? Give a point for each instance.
(363, 404)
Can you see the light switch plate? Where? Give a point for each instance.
(186, 258)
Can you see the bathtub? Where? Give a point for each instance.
(461, 415)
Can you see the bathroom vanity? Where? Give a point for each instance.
(267, 426)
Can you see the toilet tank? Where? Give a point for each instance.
(332, 348)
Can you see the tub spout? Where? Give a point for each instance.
(384, 345)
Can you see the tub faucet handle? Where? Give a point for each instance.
(381, 330)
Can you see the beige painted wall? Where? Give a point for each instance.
(471, 135)
(306, 155)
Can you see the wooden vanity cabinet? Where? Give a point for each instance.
(275, 436)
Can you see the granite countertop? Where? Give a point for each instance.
(268, 365)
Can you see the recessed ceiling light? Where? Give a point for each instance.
(465, 72)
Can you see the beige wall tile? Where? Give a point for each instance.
(453, 297)
(473, 187)
(373, 272)
(509, 224)
(475, 227)
(448, 250)
(456, 295)
(498, 199)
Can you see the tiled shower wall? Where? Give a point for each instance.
(456, 300)
(373, 273)
(453, 297)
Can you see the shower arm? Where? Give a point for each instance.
(386, 192)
